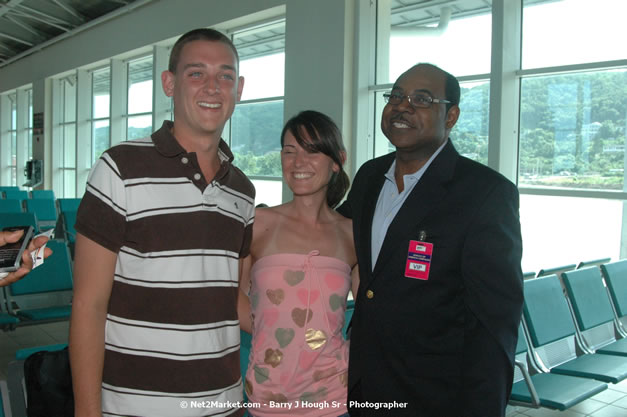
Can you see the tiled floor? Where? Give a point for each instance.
(29, 336)
(609, 403)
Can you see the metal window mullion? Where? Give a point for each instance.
(118, 102)
(83, 128)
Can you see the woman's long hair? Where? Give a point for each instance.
(325, 137)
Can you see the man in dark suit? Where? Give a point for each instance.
(438, 243)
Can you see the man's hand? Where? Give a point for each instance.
(27, 261)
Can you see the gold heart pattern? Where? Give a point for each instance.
(344, 378)
(276, 397)
(301, 316)
(322, 374)
(273, 357)
(315, 338)
(276, 297)
(293, 277)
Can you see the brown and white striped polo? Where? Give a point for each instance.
(172, 333)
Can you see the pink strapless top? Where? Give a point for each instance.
(299, 359)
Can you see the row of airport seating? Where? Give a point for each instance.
(47, 293)
(573, 335)
(15, 193)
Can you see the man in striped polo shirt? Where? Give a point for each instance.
(161, 228)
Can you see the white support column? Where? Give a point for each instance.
(623, 235)
(56, 151)
(361, 144)
(318, 79)
(161, 102)
(119, 91)
(83, 129)
(47, 135)
(5, 139)
(39, 143)
(22, 136)
(381, 60)
(505, 87)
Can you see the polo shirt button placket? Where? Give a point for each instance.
(184, 160)
(197, 176)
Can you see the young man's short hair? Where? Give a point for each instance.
(202, 34)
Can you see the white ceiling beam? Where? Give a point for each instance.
(16, 39)
(70, 10)
(23, 25)
(5, 8)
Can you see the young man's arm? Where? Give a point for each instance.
(94, 267)
(243, 301)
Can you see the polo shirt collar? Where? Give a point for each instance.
(167, 145)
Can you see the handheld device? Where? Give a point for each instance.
(11, 253)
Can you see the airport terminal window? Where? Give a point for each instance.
(560, 230)
(68, 141)
(456, 39)
(139, 122)
(29, 141)
(572, 132)
(13, 133)
(101, 117)
(257, 121)
(581, 30)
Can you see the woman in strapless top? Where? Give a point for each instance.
(301, 267)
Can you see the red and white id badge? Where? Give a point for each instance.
(418, 260)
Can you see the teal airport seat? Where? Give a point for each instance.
(615, 274)
(45, 210)
(11, 206)
(67, 230)
(16, 194)
(7, 321)
(4, 188)
(42, 194)
(348, 315)
(553, 336)
(592, 310)
(68, 204)
(15, 379)
(557, 270)
(244, 355)
(47, 293)
(594, 262)
(18, 219)
(545, 389)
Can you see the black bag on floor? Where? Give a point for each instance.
(49, 384)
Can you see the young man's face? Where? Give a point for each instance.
(204, 88)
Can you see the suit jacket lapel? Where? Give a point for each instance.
(426, 194)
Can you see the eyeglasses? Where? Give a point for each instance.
(422, 101)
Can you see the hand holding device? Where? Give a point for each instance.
(11, 252)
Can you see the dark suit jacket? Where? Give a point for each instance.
(445, 345)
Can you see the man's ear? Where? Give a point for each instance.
(452, 116)
(240, 87)
(167, 82)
